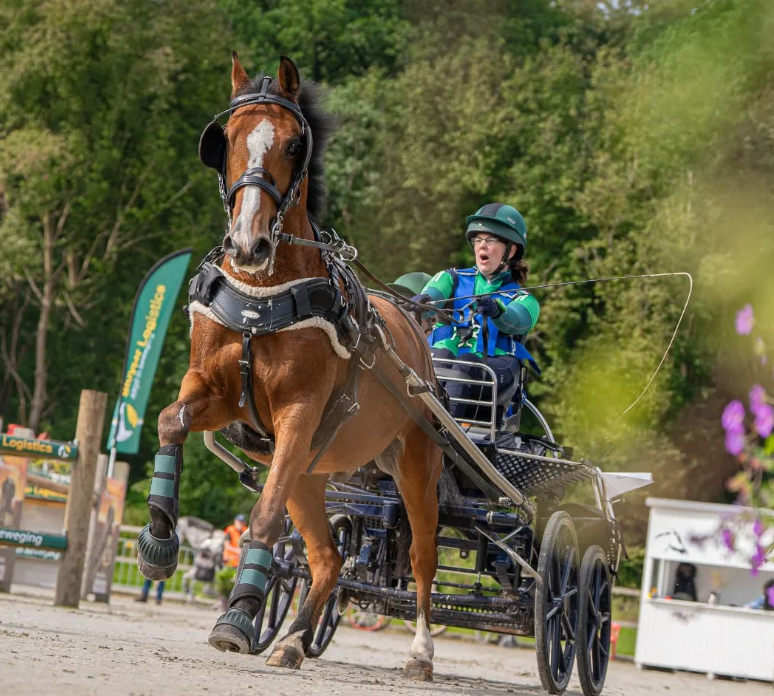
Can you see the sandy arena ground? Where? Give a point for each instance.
(149, 650)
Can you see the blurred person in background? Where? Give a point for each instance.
(231, 550)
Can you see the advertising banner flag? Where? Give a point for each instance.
(152, 311)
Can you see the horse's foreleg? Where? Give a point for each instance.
(233, 631)
(157, 544)
(306, 505)
(420, 468)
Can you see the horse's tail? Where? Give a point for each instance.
(403, 539)
(448, 490)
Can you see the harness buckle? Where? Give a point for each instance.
(365, 364)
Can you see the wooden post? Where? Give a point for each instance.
(99, 487)
(88, 433)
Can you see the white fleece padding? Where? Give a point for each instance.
(330, 329)
(255, 291)
(311, 323)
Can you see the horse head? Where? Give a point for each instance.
(262, 155)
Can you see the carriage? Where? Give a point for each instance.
(375, 473)
(515, 557)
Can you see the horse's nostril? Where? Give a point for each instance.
(261, 249)
(228, 246)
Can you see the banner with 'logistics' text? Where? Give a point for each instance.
(153, 307)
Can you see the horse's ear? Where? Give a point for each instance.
(238, 74)
(289, 79)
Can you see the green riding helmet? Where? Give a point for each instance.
(410, 283)
(503, 221)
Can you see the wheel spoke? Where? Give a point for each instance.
(566, 570)
(570, 593)
(596, 663)
(560, 648)
(275, 596)
(323, 626)
(597, 584)
(568, 629)
(604, 618)
(552, 612)
(555, 648)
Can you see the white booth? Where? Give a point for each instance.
(700, 622)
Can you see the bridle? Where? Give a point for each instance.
(213, 152)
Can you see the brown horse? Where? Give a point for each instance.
(294, 374)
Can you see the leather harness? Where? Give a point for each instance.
(359, 327)
(352, 317)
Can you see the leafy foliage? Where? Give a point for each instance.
(635, 137)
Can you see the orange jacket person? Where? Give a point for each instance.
(231, 550)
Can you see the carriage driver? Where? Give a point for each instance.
(498, 235)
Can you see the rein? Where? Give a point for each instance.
(349, 254)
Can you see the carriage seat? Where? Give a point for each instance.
(504, 396)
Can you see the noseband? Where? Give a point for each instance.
(213, 152)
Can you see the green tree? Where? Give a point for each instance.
(101, 106)
(330, 40)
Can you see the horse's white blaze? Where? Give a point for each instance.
(422, 647)
(259, 142)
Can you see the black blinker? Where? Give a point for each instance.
(212, 147)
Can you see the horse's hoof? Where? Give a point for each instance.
(285, 656)
(233, 632)
(157, 558)
(419, 670)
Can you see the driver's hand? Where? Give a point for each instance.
(424, 298)
(489, 307)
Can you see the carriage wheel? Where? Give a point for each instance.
(366, 621)
(341, 526)
(556, 603)
(594, 624)
(279, 596)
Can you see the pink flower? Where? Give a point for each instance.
(733, 415)
(728, 539)
(745, 320)
(757, 560)
(757, 397)
(764, 420)
(770, 595)
(735, 441)
(757, 527)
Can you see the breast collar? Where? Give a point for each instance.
(261, 315)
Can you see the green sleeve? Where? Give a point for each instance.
(520, 315)
(440, 286)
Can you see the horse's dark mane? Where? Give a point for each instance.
(322, 124)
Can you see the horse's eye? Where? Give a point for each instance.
(294, 148)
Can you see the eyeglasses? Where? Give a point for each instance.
(489, 241)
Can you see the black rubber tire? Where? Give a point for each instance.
(279, 597)
(594, 624)
(341, 527)
(556, 603)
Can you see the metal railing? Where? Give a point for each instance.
(448, 373)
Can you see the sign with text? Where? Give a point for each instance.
(22, 446)
(153, 307)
